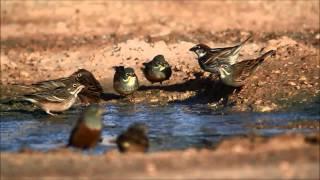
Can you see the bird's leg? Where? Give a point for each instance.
(131, 97)
(52, 114)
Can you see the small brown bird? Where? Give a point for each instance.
(87, 132)
(157, 70)
(125, 81)
(56, 100)
(210, 59)
(134, 139)
(90, 94)
(236, 75)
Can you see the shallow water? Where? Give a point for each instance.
(173, 126)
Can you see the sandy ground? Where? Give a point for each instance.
(287, 156)
(41, 40)
(45, 40)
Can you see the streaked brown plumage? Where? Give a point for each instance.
(210, 59)
(90, 94)
(236, 75)
(56, 100)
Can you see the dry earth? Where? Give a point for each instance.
(45, 40)
(42, 40)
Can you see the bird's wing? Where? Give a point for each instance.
(57, 95)
(44, 97)
(226, 54)
(53, 84)
(44, 85)
(244, 69)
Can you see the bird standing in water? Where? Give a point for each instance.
(87, 132)
(236, 75)
(157, 70)
(210, 59)
(134, 139)
(56, 100)
(125, 81)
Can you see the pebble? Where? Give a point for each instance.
(292, 83)
(302, 78)
(261, 83)
(25, 74)
(275, 72)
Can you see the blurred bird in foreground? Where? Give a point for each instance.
(125, 81)
(87, 132)
(134, 139)
(90, 94)
(210, 59)
(236, 75)
(157, 70)
(56, 100)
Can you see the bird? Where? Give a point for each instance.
(90, 94)
(87, 131)
(209, 59)
(93, 89)
(235, 75)
(157, 70)
(134, 139)
(57, 100)
(125, 81)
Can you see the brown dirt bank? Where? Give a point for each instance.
(293, 75)
(286, 156)
(45, 40)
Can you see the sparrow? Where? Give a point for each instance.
(93, 89)
(157, 70)
(90, 94)
(56, 100)
(235, 75)
(209, 59)
(134, 139)
(87, 131)
(125, 81)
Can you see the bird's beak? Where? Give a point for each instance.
(193, 49)
(162, 68)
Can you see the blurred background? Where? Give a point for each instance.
(27, 18)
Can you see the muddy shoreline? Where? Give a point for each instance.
(43, 40)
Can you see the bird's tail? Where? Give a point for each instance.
(265, 55)
(243, 42)
(237, 48)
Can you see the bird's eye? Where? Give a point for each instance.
(224, 66)
(79, 75)
(74, 85)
